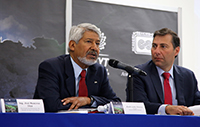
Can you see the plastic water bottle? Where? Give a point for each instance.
(104, 108)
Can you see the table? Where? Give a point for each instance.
(95, 120)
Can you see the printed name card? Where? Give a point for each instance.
(128, 108)
(22, 105)
(134, 108)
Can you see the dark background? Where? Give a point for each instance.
(118, 23)
(32, 31)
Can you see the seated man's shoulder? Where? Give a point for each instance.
(56, 59)
(97, 66)
(182, 70)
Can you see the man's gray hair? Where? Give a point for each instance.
(76, 32)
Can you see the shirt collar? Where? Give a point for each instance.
(160, 71)
(77, 68)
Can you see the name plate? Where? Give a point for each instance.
(127, 108)
(22, 105)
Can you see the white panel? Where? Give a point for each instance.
(138, 4)
(68, 21)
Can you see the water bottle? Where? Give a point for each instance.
(104, 108)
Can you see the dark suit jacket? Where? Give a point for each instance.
(56, 81)
(148, 89)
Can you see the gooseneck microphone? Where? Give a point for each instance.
(129, 69)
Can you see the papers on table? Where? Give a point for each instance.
(80, 110)
(195, 109)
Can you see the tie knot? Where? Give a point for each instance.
(166, 75)
(83, 73)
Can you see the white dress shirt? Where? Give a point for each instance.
(161, 109)
(77, 72)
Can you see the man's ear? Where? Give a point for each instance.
(177, 49)
(72, 45)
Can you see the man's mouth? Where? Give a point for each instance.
(92, 54)
(157, 58)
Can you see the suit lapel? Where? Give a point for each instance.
(90, 79)
(178, 80)
(70, 80)
(156, 82)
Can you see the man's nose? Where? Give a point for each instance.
(157, 50)
(95, 46)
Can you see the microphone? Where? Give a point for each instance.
(129, 69)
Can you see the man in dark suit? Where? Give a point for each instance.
(58, 81)
(150, 89)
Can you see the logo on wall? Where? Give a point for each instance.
(102, 42)
(103, 58)
(141, 42)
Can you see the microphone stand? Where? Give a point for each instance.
(130, 87)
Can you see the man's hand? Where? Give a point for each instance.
(178, 110)
(76, 102)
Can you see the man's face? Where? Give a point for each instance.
(163, 53)
(86, 52)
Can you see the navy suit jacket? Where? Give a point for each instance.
(56, 81)
(148, 89)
